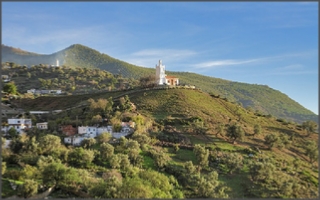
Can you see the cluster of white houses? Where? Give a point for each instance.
(85, 132)
(76, 137)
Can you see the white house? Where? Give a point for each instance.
(74, 140)
(19, 124)
(101, 130)
(87, 131)
(42, 126)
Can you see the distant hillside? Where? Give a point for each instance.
(258, 97)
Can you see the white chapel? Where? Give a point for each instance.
(162, 78)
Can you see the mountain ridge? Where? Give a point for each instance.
(258, 97)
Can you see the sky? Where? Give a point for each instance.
(266, 43)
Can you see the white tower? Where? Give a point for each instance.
(57, 63)
(160, 73)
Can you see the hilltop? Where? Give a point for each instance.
(257, 97)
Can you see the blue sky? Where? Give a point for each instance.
(268, 43)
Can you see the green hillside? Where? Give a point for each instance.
(258, 97)
(194, 116)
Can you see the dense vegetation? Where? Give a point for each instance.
(186, 144)
(257, 97)
(69, 80)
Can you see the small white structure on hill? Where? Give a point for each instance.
(162, 78)
(160, 73)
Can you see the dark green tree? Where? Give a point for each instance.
(256, 129)
(104, 138)
(210, 187)
(311, 150)
(233, 161)
(10, 88)
(88, 143)
(220, 130)
(235, 132)
(49, 144)
(13, 133)
(309, 126)
(28, 188)
(148, 81)
(80, 157)
(202, 155)
(106, 151)
(115, 161)
(270, 140)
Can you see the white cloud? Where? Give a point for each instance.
(292, 67)
(230, 62)
(219, 63)
(150, 57)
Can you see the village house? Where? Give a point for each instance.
(42, 126)
(19, 124)
(162, 78)
(68, 130)
(74, 140)
(101, 130)
(87, 131)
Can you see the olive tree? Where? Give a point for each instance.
(256, 129)
(235, 132)
(28, 188)
(311, 150)
(202, 155)
(271, 139)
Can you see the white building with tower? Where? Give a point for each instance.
(162, 78)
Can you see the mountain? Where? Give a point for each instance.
(258, 97)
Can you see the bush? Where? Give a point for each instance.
(14, 174)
